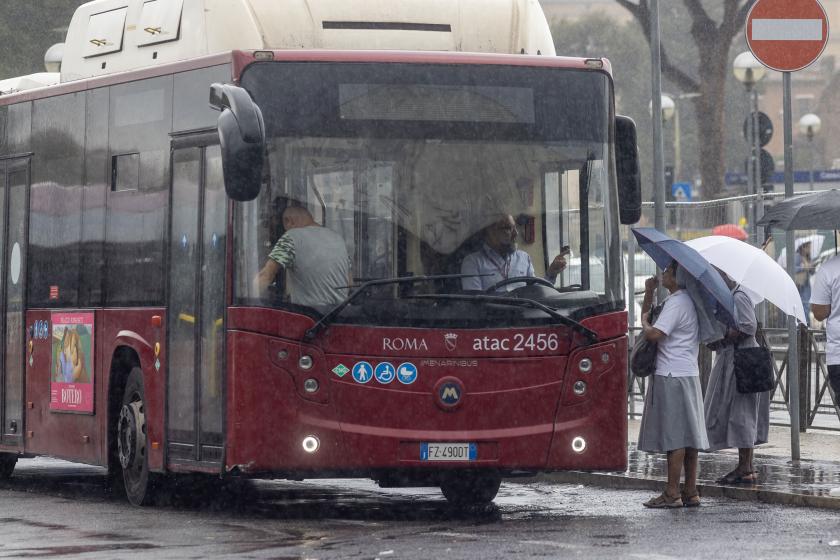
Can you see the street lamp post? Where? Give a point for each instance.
(810, 125)
(749, 72)
(668, 111)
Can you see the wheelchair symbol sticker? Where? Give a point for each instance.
(385, 373)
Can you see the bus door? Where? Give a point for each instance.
(14, 204)
(196, 325)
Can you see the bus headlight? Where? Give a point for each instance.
(305, 362)
(311, 385)
(579, 388)
(578, 445)
(585, 365)
(311, 444)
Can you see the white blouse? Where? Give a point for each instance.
(677, 352)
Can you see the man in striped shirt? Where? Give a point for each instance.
(314, 258)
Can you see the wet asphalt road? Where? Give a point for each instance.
(57, 510)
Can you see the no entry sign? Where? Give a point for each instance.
(787, 35)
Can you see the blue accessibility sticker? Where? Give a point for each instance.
(362, 372)
(407, 373)
(385, 372)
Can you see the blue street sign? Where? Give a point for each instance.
(681, 192)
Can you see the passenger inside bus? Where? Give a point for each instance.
(314, 258)
(499, 259)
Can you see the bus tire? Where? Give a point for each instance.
(471, 489)
(7, 465)
(140, 484)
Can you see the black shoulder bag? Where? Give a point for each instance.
(754, 367)
(643, 355)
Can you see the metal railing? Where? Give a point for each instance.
(818, 405)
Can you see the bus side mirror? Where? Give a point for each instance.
(242, 140)
(627, 169)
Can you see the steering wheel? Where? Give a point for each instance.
(528, 280)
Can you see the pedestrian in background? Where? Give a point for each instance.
(803, 270)
(733, 419)
(673, 421)
(825, 304)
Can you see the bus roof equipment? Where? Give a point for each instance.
(108, 36)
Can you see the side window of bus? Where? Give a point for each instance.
(135, 227)
(55, 223)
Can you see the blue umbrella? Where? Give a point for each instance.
(663, 249)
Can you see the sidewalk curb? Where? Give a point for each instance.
(747, 494)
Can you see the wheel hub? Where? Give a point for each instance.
(131, 439)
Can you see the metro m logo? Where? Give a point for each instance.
(449, 392)
(450, 395)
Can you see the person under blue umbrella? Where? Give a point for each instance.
(673, 420)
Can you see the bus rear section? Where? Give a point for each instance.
(430, 368)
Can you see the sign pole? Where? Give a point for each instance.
(656, 115)
(793, 339)
(758, 184)
(786, 36)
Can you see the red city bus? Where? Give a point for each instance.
(136, 218)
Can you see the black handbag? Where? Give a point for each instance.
(754, 367)
(643, 355)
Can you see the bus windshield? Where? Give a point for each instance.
(413, 165)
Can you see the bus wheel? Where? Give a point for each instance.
(7, 465)
(471, 489)
(131, 442)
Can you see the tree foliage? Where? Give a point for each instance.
(713, 26)
(597, 35)
(27, 29)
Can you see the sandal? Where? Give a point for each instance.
(692, 500)
(664, 501)
(736, 477)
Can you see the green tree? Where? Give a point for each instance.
(713, 25)
(27, 29)
(597, 35)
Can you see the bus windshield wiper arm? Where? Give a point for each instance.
(520, 302)
(332, 313)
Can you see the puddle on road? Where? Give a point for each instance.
(49, 551)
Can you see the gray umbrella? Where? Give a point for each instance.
(810, 211)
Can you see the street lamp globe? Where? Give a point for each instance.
(668, 107)
(747, 69)
(809, 125)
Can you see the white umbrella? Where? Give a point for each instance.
(759, 275)
(816, 242)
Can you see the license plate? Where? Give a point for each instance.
(448, 452)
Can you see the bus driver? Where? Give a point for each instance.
(499, 259)
(314, 257)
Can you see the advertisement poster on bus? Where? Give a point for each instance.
(71, 385)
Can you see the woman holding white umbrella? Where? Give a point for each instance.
(733, 419)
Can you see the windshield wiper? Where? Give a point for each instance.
(333, 313)
(519, 302)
